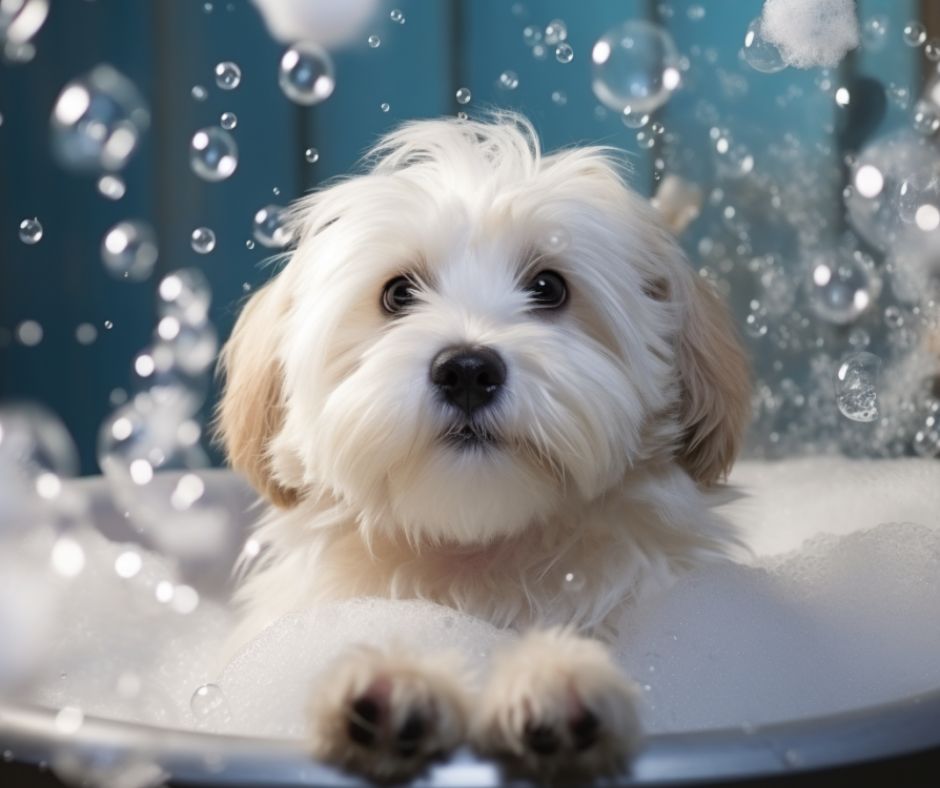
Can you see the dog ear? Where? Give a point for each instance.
(715, 380)
(251, 411)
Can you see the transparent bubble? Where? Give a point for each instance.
(213, 154)
(463, 95)
(914, 34)
(269, 227)
(228, 75)
(385, 106)
(112, 187)
(531, 35)
(202, 240)
(932, 50)
(374, 42)
(30, 231)
(97, 121)
(559, 98)
(199, 93)
(29, 333)
(755, 324)
(509, 80)
(20, 20)
(129, 250)
(228, 120)
(635, 65)
(184, 294)
(249, 244)
(193, 345)
(397, 16)
(312, 155)
(209, 706)
(85, 333)
(874, 32)
(564, 53)
(926, 118)
(306, 74)
(556, 31)
(857, 382)
(158, 372)
(759, 53)
(859, 338)
(842, 286)
(633, 119)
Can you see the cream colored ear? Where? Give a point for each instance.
(715, 379)
(251, 411)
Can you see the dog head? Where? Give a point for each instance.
(473, 334)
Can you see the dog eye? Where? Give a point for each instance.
(547, 290)
(398, 294)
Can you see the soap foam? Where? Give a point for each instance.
(811, 33)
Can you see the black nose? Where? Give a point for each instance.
(468, 377)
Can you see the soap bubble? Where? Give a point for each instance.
(914, 34)
(269, 227)
(199, 93)
(312, 155)
(228, 75)
(184, 294)
(129, 250)
(228, 120)
(97, 121)
(531, 35)
(111, 187)
(397, 16)
(636, 65)
(555, 32)
(564, 53)
(213, 154)
(30, 231)
(306, 74)
(509, 80)
(385, 106)
(374, 42)
(209, 706)
(559, 98)
(193, 345)
(463, 95)
(20, 20)
(633, 119)
(857, 382)
(759, 53)
(842, 286)
(874, 32)
(926, 118)
(202, 240)
(932, 50)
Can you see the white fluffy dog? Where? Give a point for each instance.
(488, 378)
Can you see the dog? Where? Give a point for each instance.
(486, 377)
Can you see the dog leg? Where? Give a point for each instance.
(556, 707)
(385, 713)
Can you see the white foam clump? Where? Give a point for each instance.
(811, 33)
(325, 22)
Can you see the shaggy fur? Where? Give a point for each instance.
(618, 410)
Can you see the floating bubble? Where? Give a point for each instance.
(374, 42)
(184, 294)
(30, 231)
(759, 53)
(269, 227)
(857, 383)
(559, 98)
(306, 74)
(20, 20)
(509, 80)
(97, 121)
(842, 286)
(397, 16)
(129, 250)
(112, 187)
(932, 50)
(199, 93)
(926, 118)
(29, 333)
(312, 155)
(564, 53)
(228, 120)
(85, 333)
(914, 34)
(202, 240)
(228, 75)
(633, 119)
(635, 65)
(213, 154)
(531, 35)
(385, 106)
(463, 95)
(556, 31)
(209, 706)
(874, 32)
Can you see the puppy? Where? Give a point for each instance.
(487, 377)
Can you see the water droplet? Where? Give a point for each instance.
(129, 250)
(915, 34)
(111, 187)
(228, 120)
(759, 53)
(463, 95)
(635, 65)
(375, 42)
(857, 382)
(209, 706)
(397, 16)
(312, 155)
(564, 53)
(202, 240)
(228, 75)
(30, 231)
(213, 154)
(306, 74)
(509, 80)
(97, 121)
(269, 228)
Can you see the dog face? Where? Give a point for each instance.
(474, 335)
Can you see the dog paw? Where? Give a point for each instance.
(386, 714)
(555, 705)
